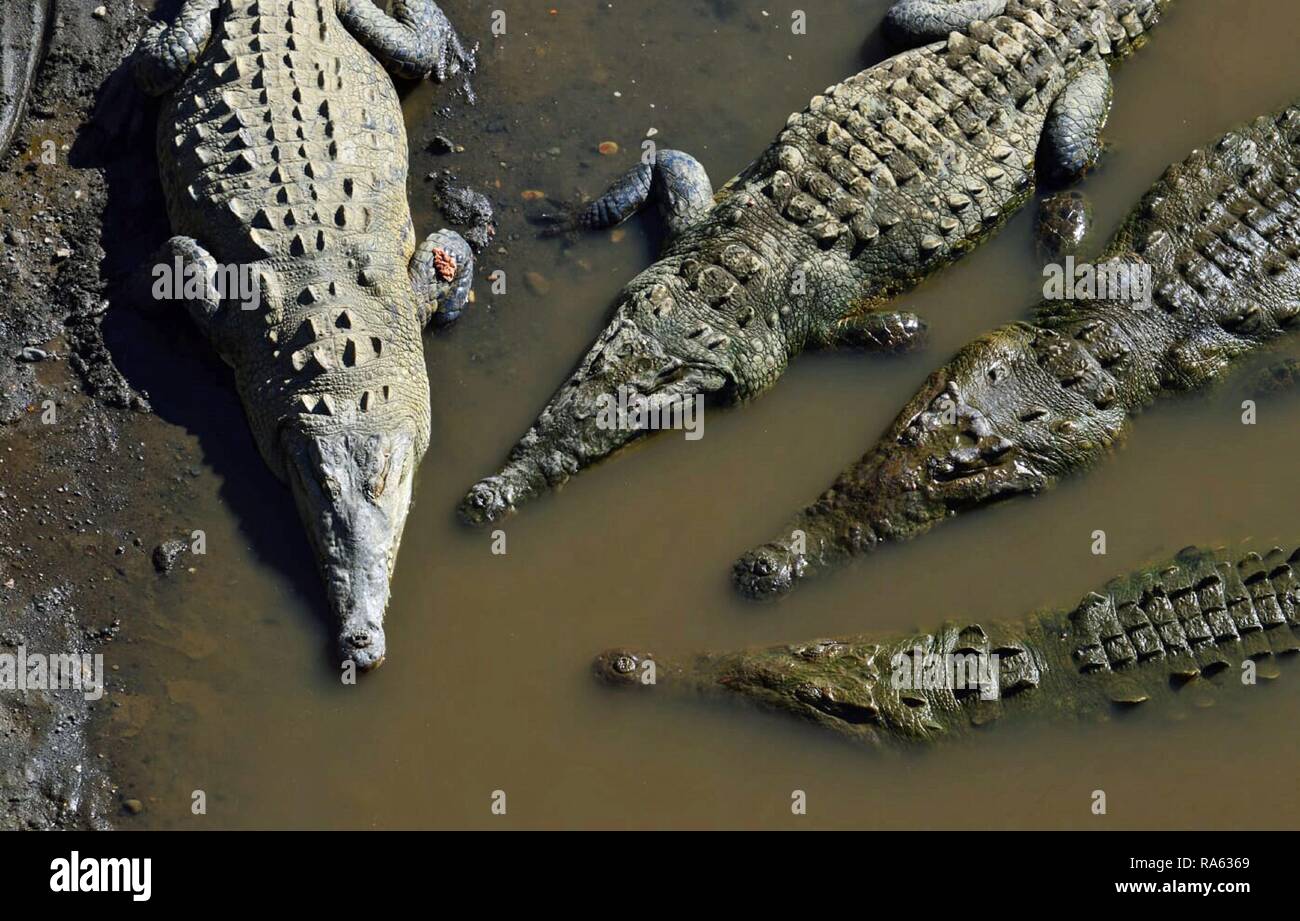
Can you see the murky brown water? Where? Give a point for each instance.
(486, 686)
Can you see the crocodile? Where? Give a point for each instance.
(1176, 632)
(882, 180)
(1212, 257)
(282, 151)
(24, 35)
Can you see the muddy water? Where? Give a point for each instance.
(486, 687)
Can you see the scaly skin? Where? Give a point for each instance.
(883, 180)
(1062, 224)
(1027, 404)
(1157, 634)
(24, 29)
(282, 147)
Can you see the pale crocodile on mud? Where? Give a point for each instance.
(1023, 406)
(1175, 632)
(883, 180)
(282, 148)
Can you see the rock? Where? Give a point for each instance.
(167, 553)
(132, 806)
(469, 210)
(441, 145)
(32, 353)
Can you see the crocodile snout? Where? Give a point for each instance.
(768, 572)
(623, 668)
(486, 502)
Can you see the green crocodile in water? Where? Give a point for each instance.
(1218, 238)
(1177, 631)
(883, 179)
(282, 150)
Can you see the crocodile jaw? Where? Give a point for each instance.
(579, 426)
(353, 491)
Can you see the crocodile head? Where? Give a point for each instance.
(353, 491)
(958, 443)
(596, 412)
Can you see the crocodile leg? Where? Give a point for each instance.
(677, 183)
(413, 39)
(166, 52)
(911, 23)
(1071, 142)
(442, 271)
(186, 262)
(877, 331)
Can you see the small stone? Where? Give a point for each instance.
(537, 283)
(166, 554)
(32, 353)
(100, 12)
(133, 806)
(441, 145)
(532, 194)
(608, 148)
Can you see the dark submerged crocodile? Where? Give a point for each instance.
(282, 148)
(1170, 633)
(24, 34)
(1025, 405)
(883, 179)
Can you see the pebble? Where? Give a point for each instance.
(537, 283)
(32, 353)
(166, 554)
(441, 145)
(133, 806)
(532, 194)
(608, 148)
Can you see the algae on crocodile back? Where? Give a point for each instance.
(1215, 246)
(283, 153)
(1181, 629)
(882, 181)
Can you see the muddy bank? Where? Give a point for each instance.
(71, 431)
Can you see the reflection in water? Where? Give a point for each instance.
(486, 686)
